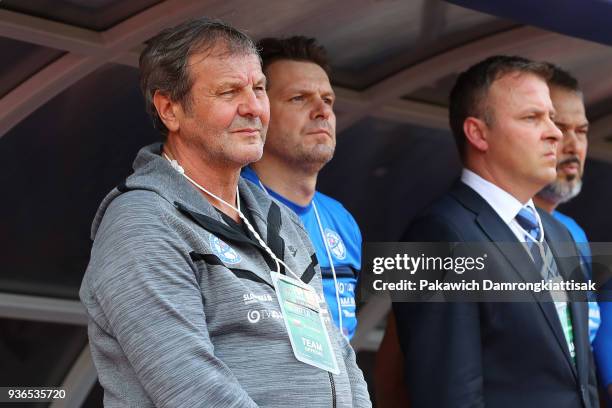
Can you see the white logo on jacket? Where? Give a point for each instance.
(225, 252)
(254, 316)
(249, 298)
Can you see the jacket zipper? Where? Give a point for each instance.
(333, 389)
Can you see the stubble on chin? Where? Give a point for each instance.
(313, 159)
(561, 190)
(242, 155)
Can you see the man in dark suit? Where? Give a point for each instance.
(524, 354)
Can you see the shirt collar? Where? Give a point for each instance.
(249, 174)
(504, 203)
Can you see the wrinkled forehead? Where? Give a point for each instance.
(220, 46)
(215, 64)
(222, 51)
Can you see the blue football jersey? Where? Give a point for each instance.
(344, 242)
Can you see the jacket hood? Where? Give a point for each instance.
(154, 173)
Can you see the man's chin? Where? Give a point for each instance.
(244, 154)
(252, 154)
(549, 176)
(321, 153)
(561, 191)
(569, 181)
(571, 178)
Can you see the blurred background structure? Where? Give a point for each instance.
(72, 119)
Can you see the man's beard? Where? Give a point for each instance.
(561, 191)
(313, 159)
(319, 153)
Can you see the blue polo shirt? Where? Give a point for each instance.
(344, 242)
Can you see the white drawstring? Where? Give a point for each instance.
(175, 165)
(331, 264)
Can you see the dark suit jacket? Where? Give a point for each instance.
(493, 354)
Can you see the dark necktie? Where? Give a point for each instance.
(528, 221)
(548, 269)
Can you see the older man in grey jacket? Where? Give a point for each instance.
(180, 289)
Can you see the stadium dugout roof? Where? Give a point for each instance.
(72, 120)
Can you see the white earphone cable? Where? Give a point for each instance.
(278, 262)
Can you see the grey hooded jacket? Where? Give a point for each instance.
(182, 312)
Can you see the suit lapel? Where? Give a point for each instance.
(505, 240)
(579, 315)
(502, 236)
(581, 331)
(497, 231)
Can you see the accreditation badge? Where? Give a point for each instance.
(304, 321)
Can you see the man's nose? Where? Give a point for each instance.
(553, 132)
(569, 142)
(321, 109)
(253, 104)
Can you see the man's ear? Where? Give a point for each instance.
(167, 111)
(476, 133)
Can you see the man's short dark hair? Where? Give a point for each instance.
(297, 48)
(562, 79)
(469, 95)
(164, 61)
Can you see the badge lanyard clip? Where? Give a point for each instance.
(329, 257)
(308, 335)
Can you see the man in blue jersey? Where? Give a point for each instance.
(571, 119)
(301, 140)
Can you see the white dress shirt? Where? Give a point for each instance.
(507, 207)
(504, 204)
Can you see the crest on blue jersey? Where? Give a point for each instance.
(225, 252)
(335, 244)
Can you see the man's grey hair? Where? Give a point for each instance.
(164, 63)
(560, 191)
